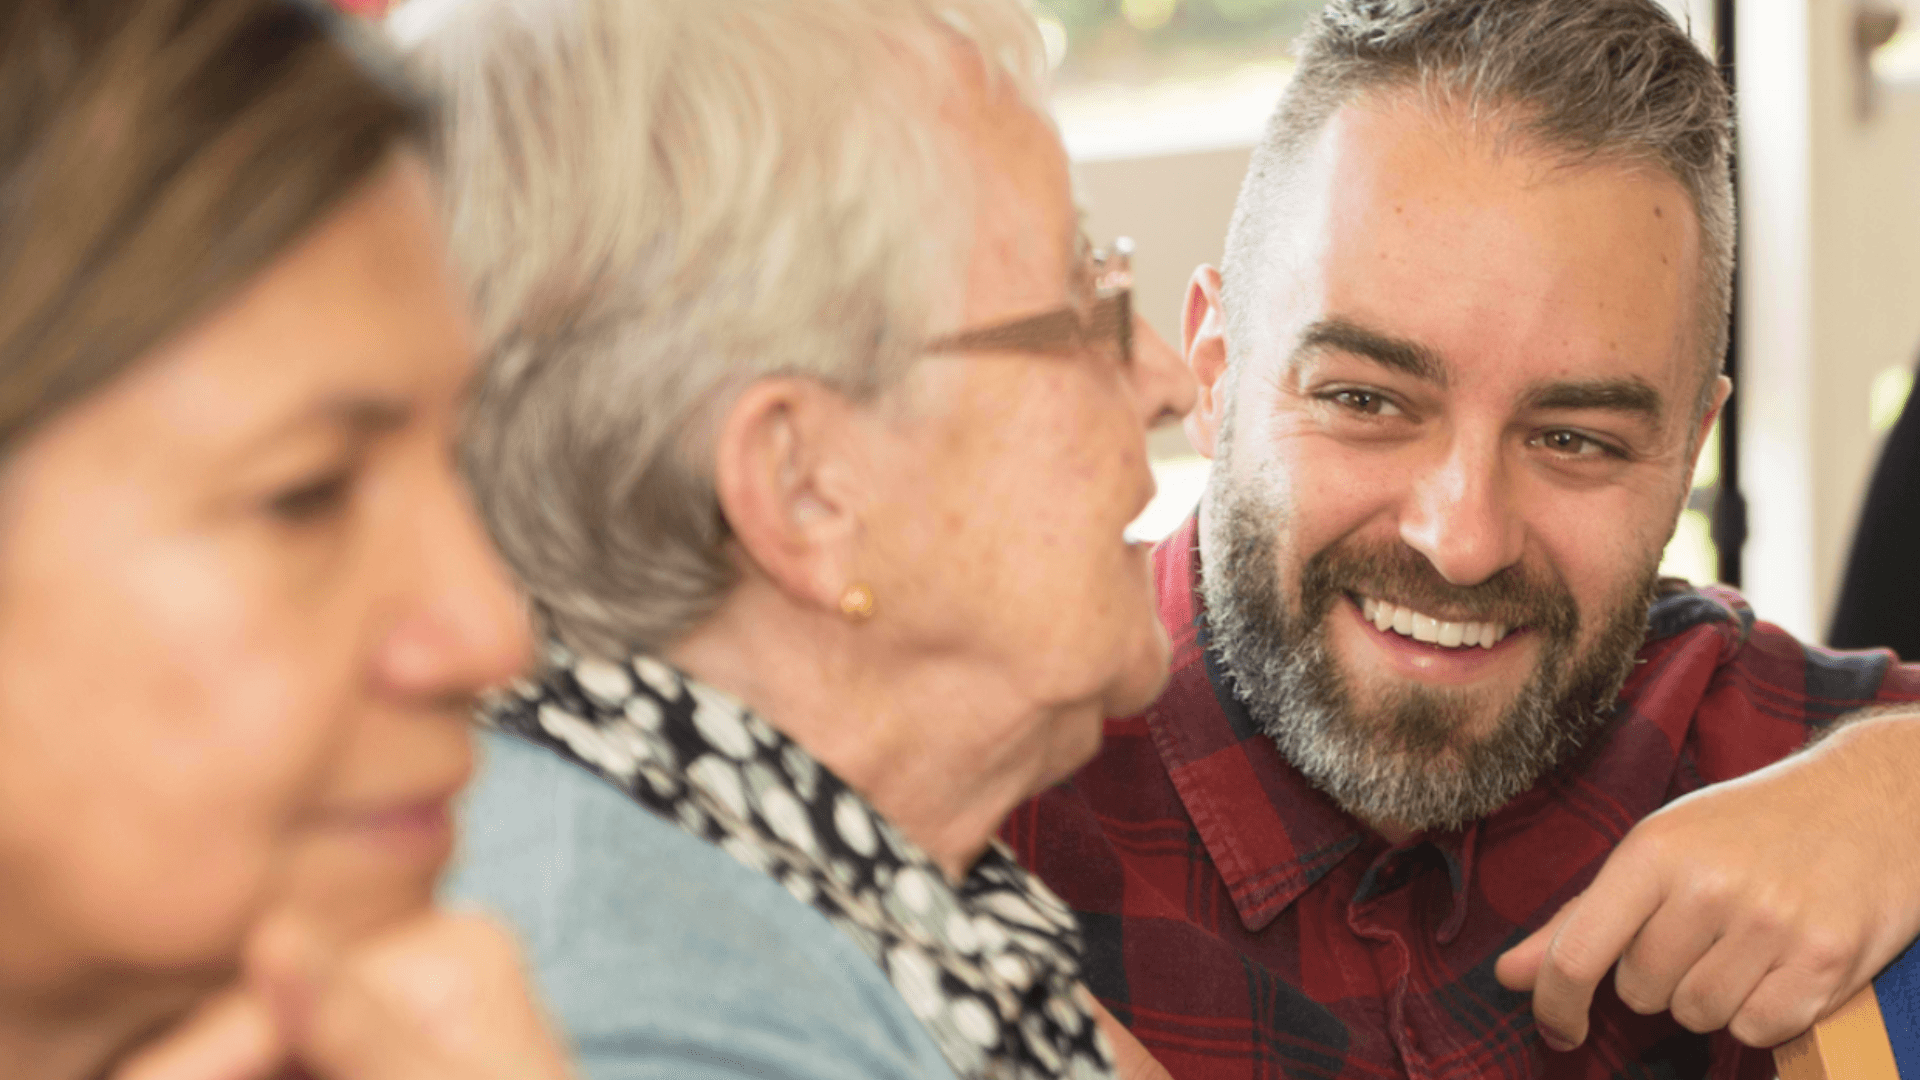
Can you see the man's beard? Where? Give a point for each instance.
(1409, 760)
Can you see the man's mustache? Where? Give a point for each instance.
(1515, 596)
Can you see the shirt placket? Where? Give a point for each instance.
(1382, 913)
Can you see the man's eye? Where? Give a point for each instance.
(1574, 444)
(313, 500)
(1365, 402)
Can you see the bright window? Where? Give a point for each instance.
(1147, 77)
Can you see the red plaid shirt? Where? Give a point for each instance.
(1243, 926)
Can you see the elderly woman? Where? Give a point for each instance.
(245, 597)
(813, 432)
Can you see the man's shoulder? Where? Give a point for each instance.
(661, 954)
(1680, 606)
(1766, 660)
(1750, 691)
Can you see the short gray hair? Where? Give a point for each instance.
(1591, 79)
(656, 203)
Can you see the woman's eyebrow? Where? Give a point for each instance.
(358, 416)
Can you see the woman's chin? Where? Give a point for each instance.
(1139, 683)
(352, 894)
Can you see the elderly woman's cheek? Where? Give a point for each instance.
(1102, 482)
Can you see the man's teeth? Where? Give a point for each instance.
(1448, 635)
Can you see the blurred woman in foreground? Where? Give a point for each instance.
(243, 606)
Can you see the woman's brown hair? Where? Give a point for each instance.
(154, 156)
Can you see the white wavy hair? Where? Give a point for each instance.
(656, 202)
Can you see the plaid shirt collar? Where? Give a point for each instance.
(1270, 851)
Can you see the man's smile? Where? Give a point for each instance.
(1419, 626)
(1422, 648)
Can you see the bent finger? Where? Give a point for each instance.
(1610, 914)
(1710, 994)
(337, 1024)
(1519, 967)
(1679, 936)
(232, 1037)
(446, 996)
(1805, 985)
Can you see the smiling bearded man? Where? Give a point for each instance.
(1408, 756)
(1436, 737)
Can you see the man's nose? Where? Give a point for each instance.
(1165, 385)
(1460, 515)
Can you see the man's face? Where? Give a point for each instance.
(1448, 458)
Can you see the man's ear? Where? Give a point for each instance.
(1203, 344)
(1722, 390)
(786, 485)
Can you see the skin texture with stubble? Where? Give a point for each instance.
(1408, 759)
(1476, 352)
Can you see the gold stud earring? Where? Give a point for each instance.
(857, 603)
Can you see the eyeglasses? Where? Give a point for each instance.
(1101, 318)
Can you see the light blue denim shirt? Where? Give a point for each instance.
(661, 956)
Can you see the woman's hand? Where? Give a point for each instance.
(443, 998)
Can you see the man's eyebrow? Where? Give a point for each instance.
(1629, 395)
(1399, 354)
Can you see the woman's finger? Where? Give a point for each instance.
(444, 998)
(232, 1037)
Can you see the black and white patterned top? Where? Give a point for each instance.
(991, 966)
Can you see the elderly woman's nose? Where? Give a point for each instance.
(1166, 385)
(464, 626)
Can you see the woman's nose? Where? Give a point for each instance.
(1460, 515)
(464, 627)
(1166, 386)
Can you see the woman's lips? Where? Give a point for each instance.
(420, 829)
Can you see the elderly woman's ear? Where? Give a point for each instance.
(788, 474)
